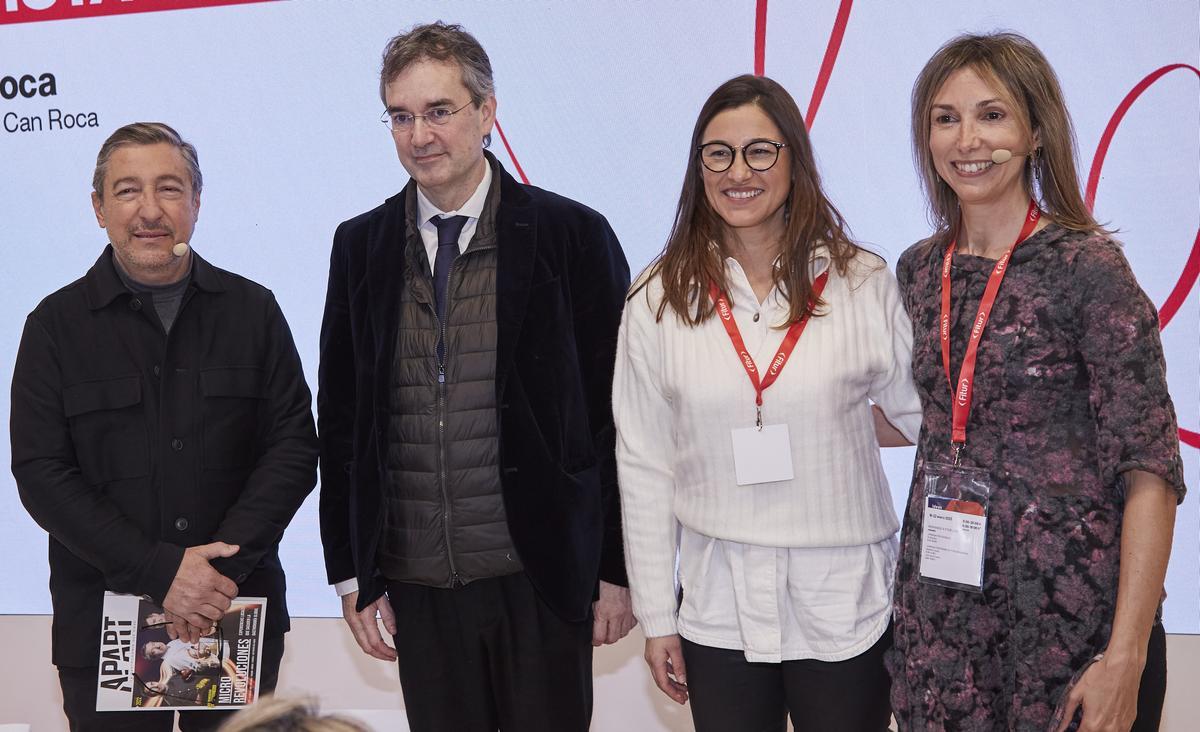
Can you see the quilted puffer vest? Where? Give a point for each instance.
(445, 522)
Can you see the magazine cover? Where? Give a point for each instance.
(142, 668)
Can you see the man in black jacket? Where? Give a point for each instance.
(467, 444)
(161, 427)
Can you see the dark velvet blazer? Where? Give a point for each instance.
(561, 280)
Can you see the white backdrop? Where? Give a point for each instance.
(597, 101)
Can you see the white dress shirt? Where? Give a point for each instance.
(472, 209)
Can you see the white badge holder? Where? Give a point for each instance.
(762, 454)
(954, 526)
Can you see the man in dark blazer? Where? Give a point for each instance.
(468, 479)
(161, 428)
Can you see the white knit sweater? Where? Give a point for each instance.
(679, 391)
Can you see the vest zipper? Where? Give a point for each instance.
(455, 580)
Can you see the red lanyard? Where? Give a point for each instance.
(725, 314)
(960, 407)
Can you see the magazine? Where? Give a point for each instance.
(142, 668)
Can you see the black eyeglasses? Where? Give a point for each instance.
(760, 155)
(404, 121)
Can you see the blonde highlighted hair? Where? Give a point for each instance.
(277, 714)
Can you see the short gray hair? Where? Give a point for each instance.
(440, 42)
(146, 133)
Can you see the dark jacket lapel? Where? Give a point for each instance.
(516, 253)
(385, 256)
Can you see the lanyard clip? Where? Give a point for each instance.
(958, 448)
(758, 418)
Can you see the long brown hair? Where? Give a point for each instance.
(1018, 71)
(690, 261)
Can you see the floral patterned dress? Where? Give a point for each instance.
(1070, 392)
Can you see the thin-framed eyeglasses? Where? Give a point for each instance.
(404, 121)
(760, 155)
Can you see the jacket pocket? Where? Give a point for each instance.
(108, 427)
(232, 398)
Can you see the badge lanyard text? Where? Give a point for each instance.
(725, 315)
(960, 395)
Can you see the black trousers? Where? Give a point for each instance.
(490, 656)
(79, 701)
(727, 693)
(1153, 690)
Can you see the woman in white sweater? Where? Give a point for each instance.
(747, 439)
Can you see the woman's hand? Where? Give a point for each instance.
(1108, 694)
(664, 656)
(1108, 690)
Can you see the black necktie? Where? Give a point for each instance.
(448, 229)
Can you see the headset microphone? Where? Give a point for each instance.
(1001, 156)
(182, 247)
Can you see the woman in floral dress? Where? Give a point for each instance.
(1067, 417)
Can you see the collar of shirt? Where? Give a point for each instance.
(103, 284)
(775, 305)
(472, 209)
(174, 289)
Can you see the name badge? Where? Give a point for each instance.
(762, 455)
(953, 538)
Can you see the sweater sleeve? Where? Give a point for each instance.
(892, 387)
(645, 454)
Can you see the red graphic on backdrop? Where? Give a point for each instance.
(760, 37)
(1191, 269)
(831, 53)
(511, 156)
(760, 52)
(33, 11)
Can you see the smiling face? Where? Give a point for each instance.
(749, 201)
(147, 205)
(445, 160)
(969, 120)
